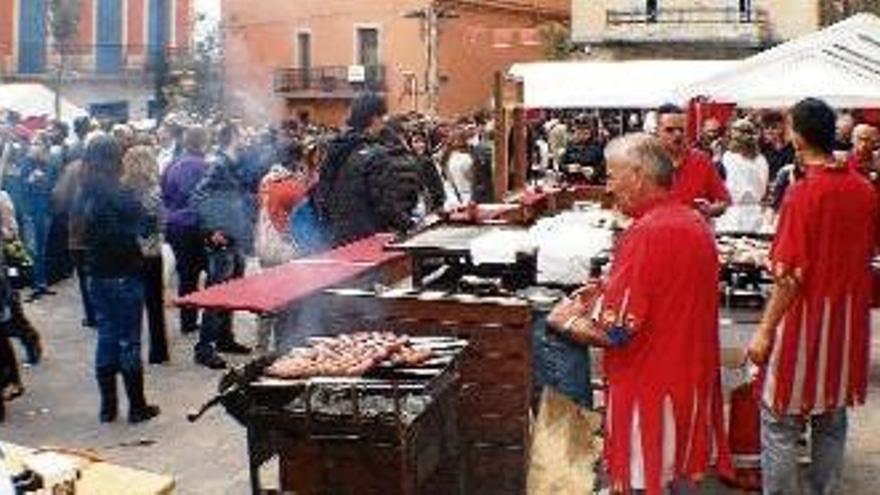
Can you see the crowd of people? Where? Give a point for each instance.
(113, 203)
(217, 193)
(753, 155)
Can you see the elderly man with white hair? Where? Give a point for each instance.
(656, 315)
(862, 159)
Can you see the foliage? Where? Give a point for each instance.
(557, 41)
(63, 21)
(195, 79)
(832, 11)
(63, 24)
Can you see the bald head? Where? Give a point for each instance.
(844, 127)
(864, 139)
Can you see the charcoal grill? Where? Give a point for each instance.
(392, 431)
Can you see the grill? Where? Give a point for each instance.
(391, 431)
(441, 257)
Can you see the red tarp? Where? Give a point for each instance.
(368, 250)
(278, 287)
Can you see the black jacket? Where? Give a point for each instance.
(114, 222)
(432, 183)
(363, 189)
(588, 155)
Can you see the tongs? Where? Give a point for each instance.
(235, 380)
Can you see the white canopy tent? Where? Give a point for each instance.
(840, 64)
(35, 100)
(630, 84)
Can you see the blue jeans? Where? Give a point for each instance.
(119, 307)
(79, 264)
(223, 264)
(35, 232)
(779, 451)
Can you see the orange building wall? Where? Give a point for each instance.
(6, 28)
(469, 79)
(258, 41)
(86, 26)
(183, 23)
(136, 23)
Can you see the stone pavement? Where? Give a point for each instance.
(60, 406)
(209, 457)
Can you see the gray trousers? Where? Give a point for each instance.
(779, 451)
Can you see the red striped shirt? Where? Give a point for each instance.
(826, 237)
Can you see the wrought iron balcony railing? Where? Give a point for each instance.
(329, 79)
(695, 15)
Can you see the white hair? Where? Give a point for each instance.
(645, 153)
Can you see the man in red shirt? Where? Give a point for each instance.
(861, 158)
(696, 181)
(812, 343)
(657, 318)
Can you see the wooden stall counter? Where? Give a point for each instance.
(95, 477)
(488, 213)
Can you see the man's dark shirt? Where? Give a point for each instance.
(777, 158)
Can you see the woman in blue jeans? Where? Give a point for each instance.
(114, 222)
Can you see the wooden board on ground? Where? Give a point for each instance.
(100, 478)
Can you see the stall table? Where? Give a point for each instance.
(448, 245)
(488, 213)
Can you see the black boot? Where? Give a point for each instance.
(33, 347)
(138, 409)
(109, 398)
(26, 332)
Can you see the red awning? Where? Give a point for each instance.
(279, 287)
(367, 250)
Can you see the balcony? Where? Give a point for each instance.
(334, 82)
(725, 26)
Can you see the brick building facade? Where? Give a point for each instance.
(111, 62)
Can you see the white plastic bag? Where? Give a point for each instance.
(270, 246)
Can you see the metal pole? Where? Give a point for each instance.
(160, 60)
(433, 76)
(501, 165)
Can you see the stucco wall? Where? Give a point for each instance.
(260, 36)
(469, 59)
